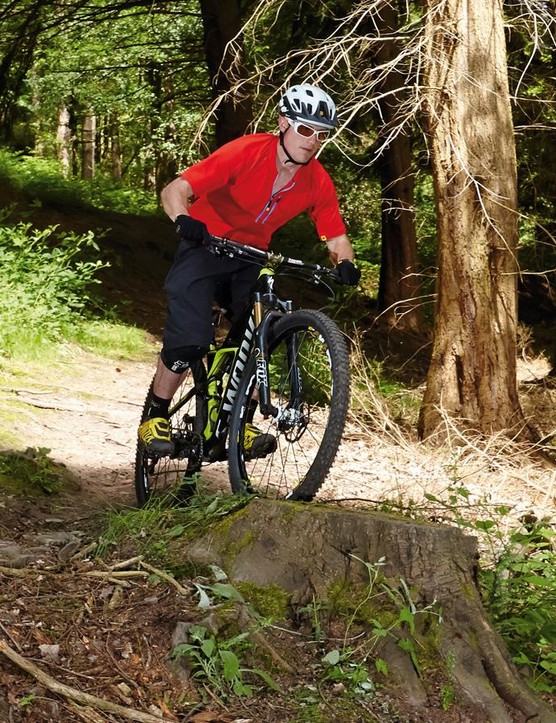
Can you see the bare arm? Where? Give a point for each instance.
(340, 249)
(176, 198)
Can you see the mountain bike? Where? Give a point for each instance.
(286, 372)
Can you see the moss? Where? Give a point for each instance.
(270, 601)
(32, 473)
(363, 606)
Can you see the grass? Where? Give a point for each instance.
(112, 340)
(42, 182)
(31, 473)
(47, 279)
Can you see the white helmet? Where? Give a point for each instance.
(309, 103)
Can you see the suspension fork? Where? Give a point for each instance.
(264, 321)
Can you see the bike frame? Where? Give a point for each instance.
(231, 357)
(266, 309)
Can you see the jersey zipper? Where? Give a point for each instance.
(271, 204)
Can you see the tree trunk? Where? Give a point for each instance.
(221, 24)
(88, 149)
(312, 552)
(63, 141)
(472, 374)
(399, 284)
(115, 150)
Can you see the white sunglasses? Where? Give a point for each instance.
(307, 132)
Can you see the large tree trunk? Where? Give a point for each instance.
(473, 367)
(310, 551)
(221, 24)
(399, 284)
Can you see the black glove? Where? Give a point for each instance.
(191, 230)
(347, 273)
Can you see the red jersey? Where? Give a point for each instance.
(233, 193)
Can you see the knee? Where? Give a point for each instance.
(178, 360)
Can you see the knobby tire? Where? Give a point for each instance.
(187, 418)
(313, 417)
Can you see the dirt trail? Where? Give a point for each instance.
(86, 411)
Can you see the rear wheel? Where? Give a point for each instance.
(309, 386)
(187, 419)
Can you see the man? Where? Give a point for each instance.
(243, 191)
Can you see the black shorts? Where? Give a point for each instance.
(196, 279)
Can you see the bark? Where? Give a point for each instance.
(311, 550)
(115, 150)
(88, 150)
(221, 22)
(398, 285)
(472, 375)
(63, 140)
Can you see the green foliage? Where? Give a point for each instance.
(45, 278)
(110, 339)
(520, 595)
(384, 610)
(516, 579)
(153, 527)
(217, 662)
(128, 68)
(41, 180)
(30, 473)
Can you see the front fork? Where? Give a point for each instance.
(261, 353)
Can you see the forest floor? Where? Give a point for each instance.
(98, 631)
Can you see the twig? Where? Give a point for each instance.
(84, 551)
(10, 636)
(21, 571)
(126, 563)
(87, 714)
(115, 574)
(75, 695)
(165, 576)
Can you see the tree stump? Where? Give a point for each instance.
(307, 550)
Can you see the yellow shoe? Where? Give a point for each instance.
(154, 435)
(256, 443)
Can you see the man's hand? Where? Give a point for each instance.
(192, 230)
(347, 273)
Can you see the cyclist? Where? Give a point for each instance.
(243, 191)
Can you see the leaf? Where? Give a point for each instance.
(381, 666)
(218, 573)
(227, 591)
(267, 679)
(208, 647)
(485, 525)
(204, 600)
(406, 616)
(241, 688)
(231, 664)
(332, 658)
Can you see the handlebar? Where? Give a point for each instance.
(226, 247)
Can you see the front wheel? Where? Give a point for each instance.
(309, 388)
(187, 419)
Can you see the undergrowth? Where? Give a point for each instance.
(47, 279)
(30, 473)
(43, 183)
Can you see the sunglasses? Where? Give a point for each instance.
(308, 132)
